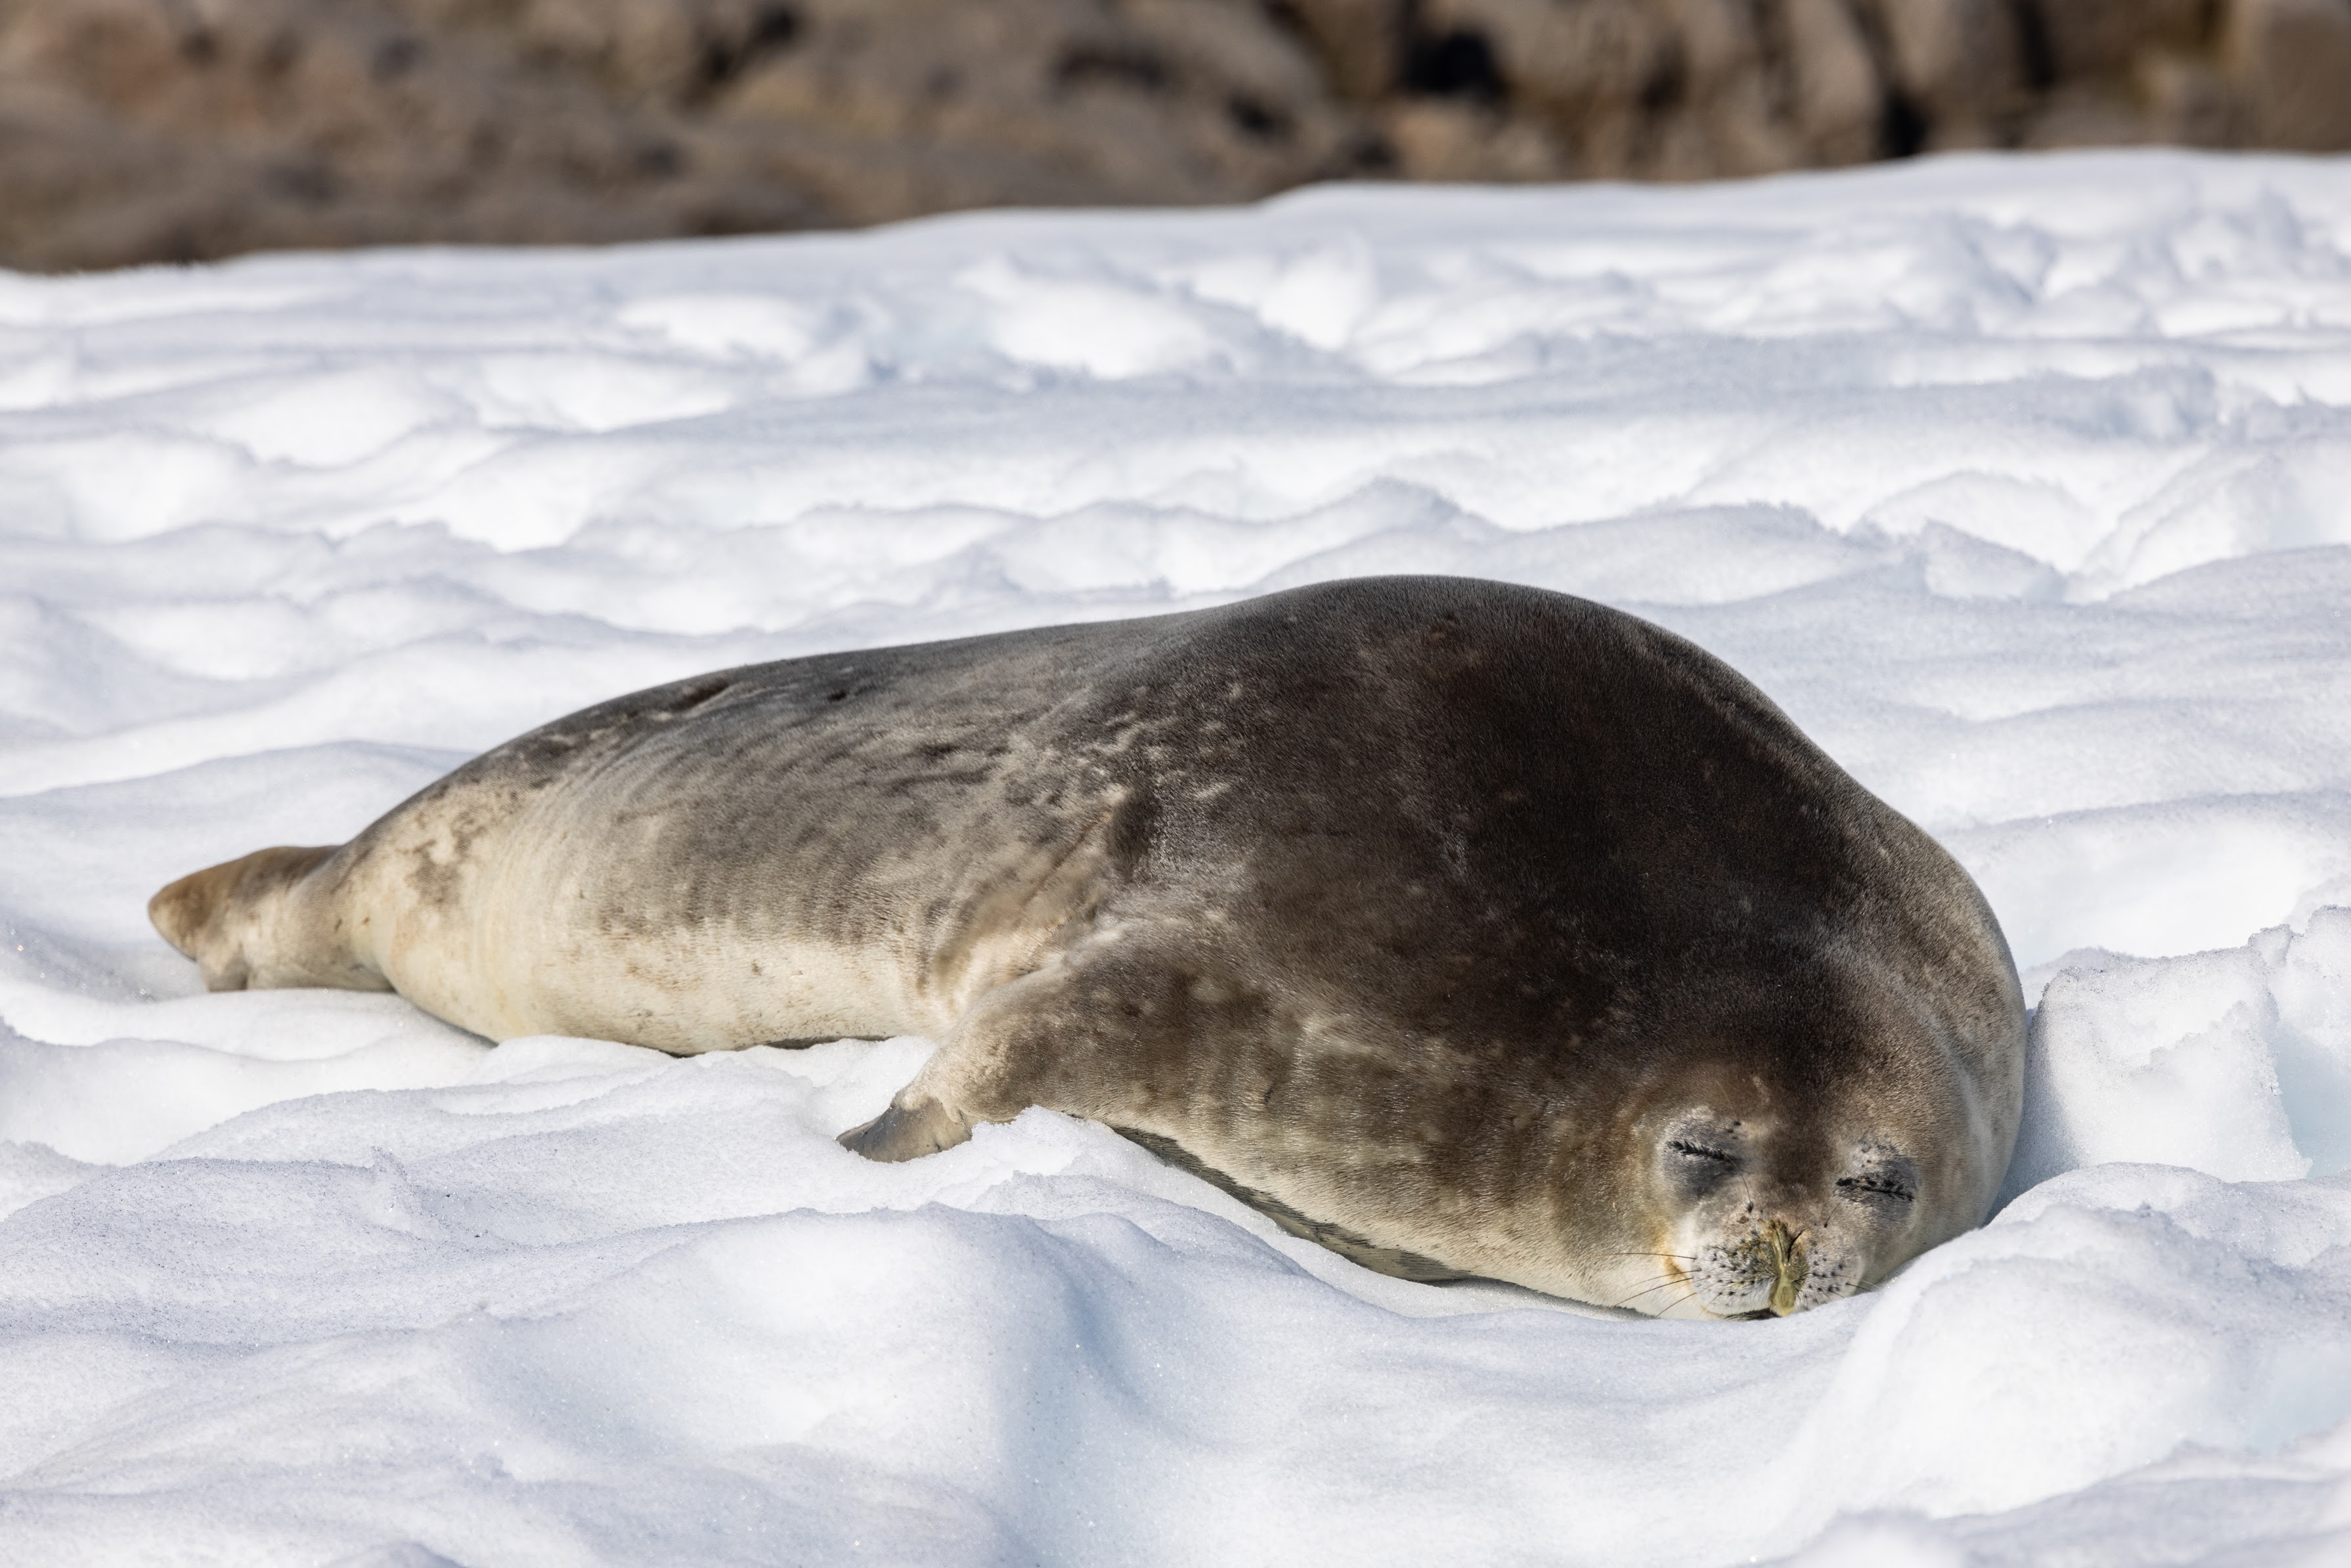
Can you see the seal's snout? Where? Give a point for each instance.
(1771, 1260)
(1790, 1264)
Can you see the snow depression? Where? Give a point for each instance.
(2022, 484)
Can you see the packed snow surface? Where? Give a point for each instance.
(2024, 485)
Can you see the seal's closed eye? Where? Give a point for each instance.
(1893, 1185)
(1697, 1166)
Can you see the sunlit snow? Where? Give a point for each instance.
(2023, 484)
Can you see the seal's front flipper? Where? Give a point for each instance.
(987, 1071)
(907, 1133)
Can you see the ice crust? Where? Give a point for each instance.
(2019, 482)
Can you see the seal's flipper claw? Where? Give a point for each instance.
(907, 1133)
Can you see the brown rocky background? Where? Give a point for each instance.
(135, 130)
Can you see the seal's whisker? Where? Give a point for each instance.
(1662, 1284)
(1689, 1293)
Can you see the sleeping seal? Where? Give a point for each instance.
(1470, 929)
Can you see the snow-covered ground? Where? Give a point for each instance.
(2024, 485)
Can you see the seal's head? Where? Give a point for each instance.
(1760, 1218)
(1774, 1175)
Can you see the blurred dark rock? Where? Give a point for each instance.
(1957, 69)
(2296, 55)
(135, 130)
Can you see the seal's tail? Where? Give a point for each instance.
(231, 919)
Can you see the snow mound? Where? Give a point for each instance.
(2237, 1064)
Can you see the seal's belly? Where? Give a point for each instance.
(715, 987)
(540, 914)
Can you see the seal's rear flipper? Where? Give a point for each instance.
(231, 919)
